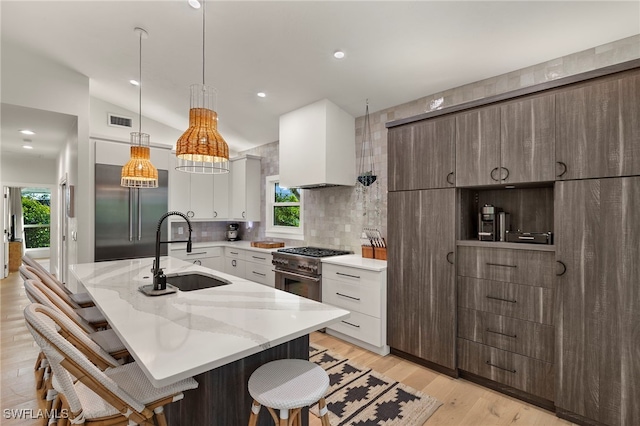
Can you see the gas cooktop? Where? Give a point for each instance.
(313, 251)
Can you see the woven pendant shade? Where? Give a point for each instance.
(201, 148)
(139, 172)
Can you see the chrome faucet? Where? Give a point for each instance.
(159, 279)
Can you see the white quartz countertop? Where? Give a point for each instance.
(357, 261)
(187, 333)
(244, 245)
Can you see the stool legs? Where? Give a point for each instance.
(324, 412)
(285, 417)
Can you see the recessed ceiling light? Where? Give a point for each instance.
(27, 132)
(27, 144)
(134, 82)
(338, 54)
(194, 4)
(261, 94)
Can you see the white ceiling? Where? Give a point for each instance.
(395, 51)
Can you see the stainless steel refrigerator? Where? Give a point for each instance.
(126, 219)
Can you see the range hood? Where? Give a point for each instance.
(317, 147)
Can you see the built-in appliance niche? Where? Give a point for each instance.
(530, 209)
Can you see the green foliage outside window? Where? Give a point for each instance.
(36, 212)
(287, 214)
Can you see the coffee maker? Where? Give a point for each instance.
(232, 232)
(493, 223)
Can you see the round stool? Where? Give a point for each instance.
(288, 385)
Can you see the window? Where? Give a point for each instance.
(36, 211)
(284, 210)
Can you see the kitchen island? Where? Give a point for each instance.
(218, 335)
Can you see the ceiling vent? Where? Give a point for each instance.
(119, 121)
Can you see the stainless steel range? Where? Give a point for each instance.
(299, 270)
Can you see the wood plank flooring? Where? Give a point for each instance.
(464, 403)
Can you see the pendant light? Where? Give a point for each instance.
(366, 170)
(139, 172)
(201, 148)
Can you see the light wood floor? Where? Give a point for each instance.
(464, 403)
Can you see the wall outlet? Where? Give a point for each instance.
(180, 230)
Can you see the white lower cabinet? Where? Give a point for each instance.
(251, 265)
(364, 293)
(209, 257)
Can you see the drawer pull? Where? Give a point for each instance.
(513, 336)
(259, 258)
(258, 273)
(233, 252)
(501, 299)
(501, 264)
(347, 275)
(192, 254)
(352, 325)
(500, 368)
(350, 297)
(448, 259)
(564, 268)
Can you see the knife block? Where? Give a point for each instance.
(367, 252)
(380, 253)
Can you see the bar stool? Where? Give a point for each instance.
(288, 385)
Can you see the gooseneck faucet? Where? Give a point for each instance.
(159, 279)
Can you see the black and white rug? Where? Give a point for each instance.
(360, 396)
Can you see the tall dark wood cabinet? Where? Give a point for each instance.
(421, 155)
(421, 298)
(598, 128)
(598, 344)
(478, 147)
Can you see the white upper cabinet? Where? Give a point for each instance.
(245, 188)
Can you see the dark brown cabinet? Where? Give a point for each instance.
(421, 155)
(598, 129)
(598, 347)
(512, 142)
(421, 298)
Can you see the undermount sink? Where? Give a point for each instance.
(195, 281)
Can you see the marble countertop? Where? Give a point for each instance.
(244, 245)
(357, 261)
(187, 333)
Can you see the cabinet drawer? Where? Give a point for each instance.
(527, 374)
(262, 274)
(258, 257)
(523, 337)
(197, 253)
(530, 267)
(511, 300)
(360, 326)
(234, 252)
(352, 297)
(351, 275)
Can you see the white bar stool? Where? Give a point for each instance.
(288, 385)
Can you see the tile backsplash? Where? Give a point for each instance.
(334, 216)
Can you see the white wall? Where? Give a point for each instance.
(33, 81)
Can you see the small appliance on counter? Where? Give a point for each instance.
(530, 237)
(232, 232)
(493, 223)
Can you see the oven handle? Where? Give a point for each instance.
(297, 275)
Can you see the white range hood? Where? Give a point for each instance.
(317, 147)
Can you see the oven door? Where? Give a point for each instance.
(299, 284)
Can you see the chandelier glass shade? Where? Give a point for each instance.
(201, 148)
(139, 172)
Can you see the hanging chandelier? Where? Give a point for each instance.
(201, 148)
(366, 170)
(139, 172)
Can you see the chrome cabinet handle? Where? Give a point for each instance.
(130, 214)
(564, 168)
(192, 254)
(500, 368)
(564, 268)
(352, 325)
(244, 215)
(492, 172)
(513, 336)
(501, 264)
(197, 262)
(450, 175)
(139, 214)
(350, 297)
(448, 259)
(258, 273)
(233, 262)
(215, 214)
(259, 258)
(500, 299)
(347, 275)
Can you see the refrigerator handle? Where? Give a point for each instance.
(130, 214)
(139, 215)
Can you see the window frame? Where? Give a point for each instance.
(275, 231)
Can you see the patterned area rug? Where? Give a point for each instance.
(359, 396)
